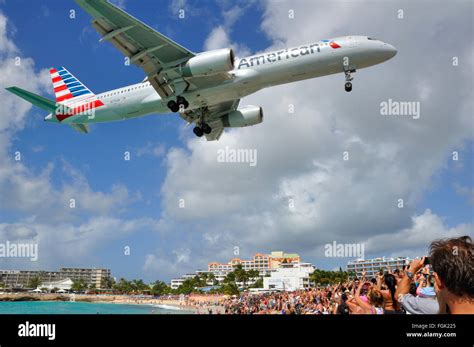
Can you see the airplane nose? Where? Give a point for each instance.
(389, 51)
(393, 51)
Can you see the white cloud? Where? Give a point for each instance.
(165, 265)
(39, 199)
(414, 240)
(219, 38)
(66, 243)
(300, 155)
(21, 188)
(157, 150)
(176, 5)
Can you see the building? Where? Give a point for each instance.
(289, 277)
(92, 277)
(21, 279)
(177, 282)
(278, 257)
(373, 266)
(263, 263)
(61, 285)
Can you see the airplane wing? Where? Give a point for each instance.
(214, 116)
(155, 53)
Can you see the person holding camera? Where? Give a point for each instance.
(415, 304)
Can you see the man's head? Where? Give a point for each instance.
(452, 261)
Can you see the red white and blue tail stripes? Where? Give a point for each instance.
(66, 86)
(71, 93)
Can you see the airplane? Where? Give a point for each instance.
(205, 88)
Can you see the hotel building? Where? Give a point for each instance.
(96, 277)
(263, 263)
(21, 279)
(289, 277)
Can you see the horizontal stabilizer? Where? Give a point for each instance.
(45, 104)
(82, 128)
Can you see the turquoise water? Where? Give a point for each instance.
(60, 307)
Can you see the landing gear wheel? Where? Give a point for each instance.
(348, 86)
(173, 106)
(182, 101)
(206, 128)
(349, 78)
(198, 131)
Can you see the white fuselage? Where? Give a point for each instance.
(250, 75)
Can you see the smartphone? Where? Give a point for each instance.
(427, 261)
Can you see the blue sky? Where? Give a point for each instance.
(43, 31)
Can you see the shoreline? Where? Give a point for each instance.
(190, 305)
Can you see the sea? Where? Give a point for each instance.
(66, 307)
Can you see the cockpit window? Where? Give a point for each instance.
(371, 38)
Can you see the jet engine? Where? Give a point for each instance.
(209, 63)
(244, 117)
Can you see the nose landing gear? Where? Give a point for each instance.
(348, 86)
(349, 78)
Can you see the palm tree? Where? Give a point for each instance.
(160, 288)
(34, 282)
(241, 275)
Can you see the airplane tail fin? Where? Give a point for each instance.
(67, 87)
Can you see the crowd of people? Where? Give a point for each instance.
(442, 282)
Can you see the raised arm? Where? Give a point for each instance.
(404, 285)
(363, 305)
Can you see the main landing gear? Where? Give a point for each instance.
(349, 78)
(202, 129)
(180, 103)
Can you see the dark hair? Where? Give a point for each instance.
(430, 280)
(413, 288)
(453, 261)
(344, 297)
(391, 282)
